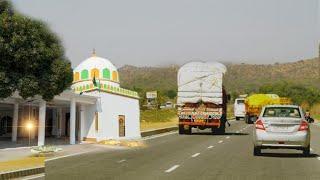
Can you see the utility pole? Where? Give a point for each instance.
(319, 61)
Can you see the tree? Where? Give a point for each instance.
(171, 94)
(298, 93)
(32, 60)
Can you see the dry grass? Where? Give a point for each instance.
(315, 111)
(160, 115)
(126, 143)
(144, 126)
(24, 163)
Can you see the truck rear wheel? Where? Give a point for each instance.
(189, 130)
(249, 119)
(181, 129)
(220, 130)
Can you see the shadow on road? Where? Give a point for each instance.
(289, 155)
(225, 134)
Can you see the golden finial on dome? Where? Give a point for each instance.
(94, 52)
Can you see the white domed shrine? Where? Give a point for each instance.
(95, 109)
(96, 73)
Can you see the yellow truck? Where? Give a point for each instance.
(255, 102)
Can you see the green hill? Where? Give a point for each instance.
(240, 78)
(248, 77)
(149, 78)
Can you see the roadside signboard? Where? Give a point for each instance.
(151, 95)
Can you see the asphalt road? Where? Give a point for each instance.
(197, 156)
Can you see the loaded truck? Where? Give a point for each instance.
(255, 102)
(202, 99)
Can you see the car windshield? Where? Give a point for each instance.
(290, 112)
(240, 101)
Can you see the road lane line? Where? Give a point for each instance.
(121, 161)
(227, 137)
(220, 141)
(69, 155)
(195, 155)
(318, 158)
(172, 168)
(209, 147)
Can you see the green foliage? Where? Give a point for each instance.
(5, 6)
(171, 94)
(298, 93)
(162, 115)
(143, 79)
(32, 58)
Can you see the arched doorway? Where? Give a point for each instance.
(122, 126)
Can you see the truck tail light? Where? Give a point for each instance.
(303, 126)
(259, 125)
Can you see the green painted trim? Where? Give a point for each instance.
(84, 74)
(106, 73)
(106, 88)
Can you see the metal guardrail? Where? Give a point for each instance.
(21, 173)
(164, 130)
(158, 131)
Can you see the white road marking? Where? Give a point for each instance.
(220, 141)
(237, 131)
(227, 137)
(195, 155)
(121, 161)
(318, 158)
(209, 147)
(69, 155)
(172, 168)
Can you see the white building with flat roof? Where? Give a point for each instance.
(95, 108)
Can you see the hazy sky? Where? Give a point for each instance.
(158, 32)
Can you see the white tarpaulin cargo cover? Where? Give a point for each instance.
(200, 81)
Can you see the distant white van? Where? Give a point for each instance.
(239, 108)
(167, 105)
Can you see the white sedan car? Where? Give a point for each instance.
(281, 127)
